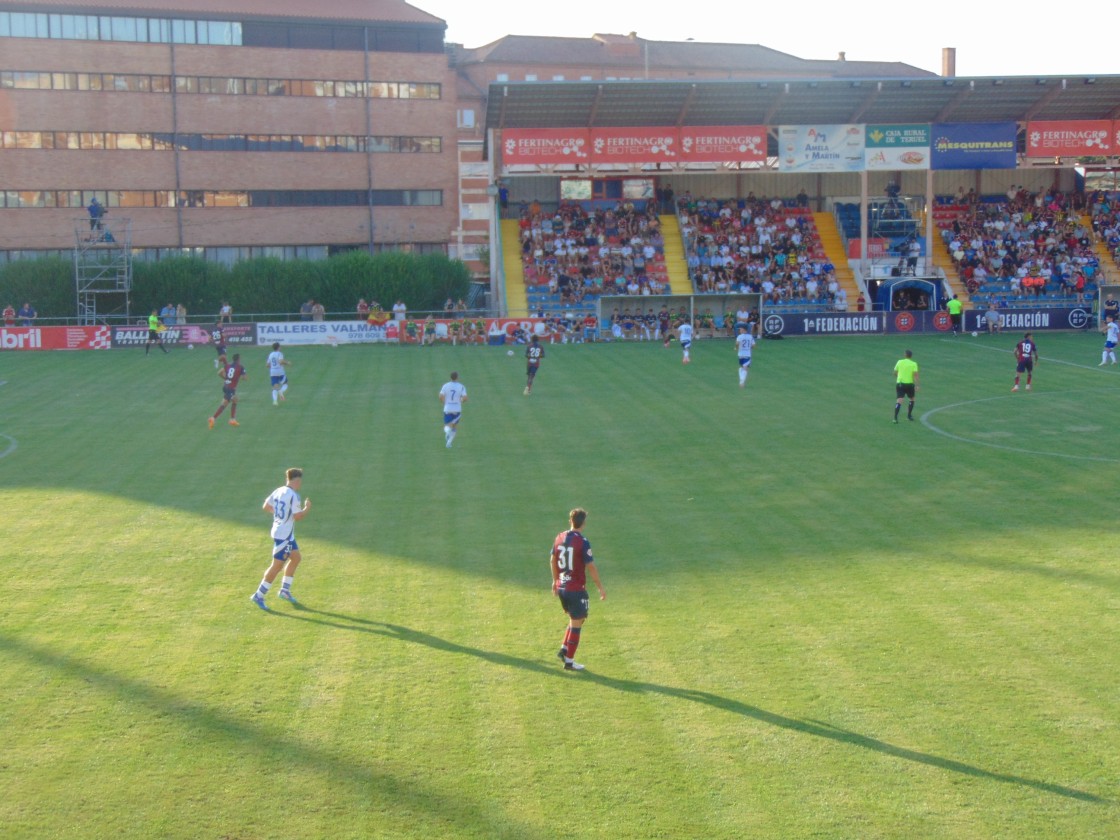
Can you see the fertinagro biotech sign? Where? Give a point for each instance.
(897, 147)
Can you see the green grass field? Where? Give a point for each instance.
(818, 624)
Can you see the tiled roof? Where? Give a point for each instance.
(366, 11)
(633, 52)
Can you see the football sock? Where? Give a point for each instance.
(232, 411)
(742, 375)
(286, 584)
(1104, 357)
(910, 410)
(262, 590)
(571, 641)
(218, 413)
(897, 407)
(283, 387)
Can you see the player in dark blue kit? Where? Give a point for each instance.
(533, 355)
(218, 337)
(571, 562)
(1026, 354)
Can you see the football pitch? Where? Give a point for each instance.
(819, 624)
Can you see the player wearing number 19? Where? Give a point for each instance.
(285, 506)
(571, 562)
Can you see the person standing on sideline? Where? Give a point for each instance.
(453, 394)
(231, 374)
(571, 562)
(1111, 307)
(286, 508)
(154, 330)
(744, 343)
(276, 365)
(9, 316)
(1111, 331)
(27, 314)
(1026, 353)
(684, 333)
(533, 355)
(906, 384)
(954, 307)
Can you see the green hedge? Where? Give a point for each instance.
(423, 282)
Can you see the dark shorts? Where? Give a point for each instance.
(904, 389)
(575, 604)
(153, 335)
(1025, 365)
(955, 320)
(228, 392)
(221, 348)
(531, 369)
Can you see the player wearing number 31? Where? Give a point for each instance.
(285, 506)
(571, 562)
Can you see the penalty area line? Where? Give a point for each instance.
(10, 448)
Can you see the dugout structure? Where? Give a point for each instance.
(1104, 293)
(721, 309)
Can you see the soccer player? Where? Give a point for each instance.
(533, 355)
(231, 374)
(744, 344)
(1111, 331)
(218, 337)
(1026, 353)
(285, 506)
(571, 562)
(276, 365)
(684, 332)
(453, 394)
(906, 384)
(154, 330)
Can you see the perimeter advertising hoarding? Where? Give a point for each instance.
(1072, 138)
(924, 321)
(137, 336)
(896, 147)
(974, 145)
(55, 338)
(821, 148)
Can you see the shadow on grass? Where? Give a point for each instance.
(404, 793)
(817, 729)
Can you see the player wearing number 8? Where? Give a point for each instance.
(571, 563)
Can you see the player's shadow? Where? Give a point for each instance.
(269, 745)
(816, 728)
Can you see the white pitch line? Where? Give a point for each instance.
(925, 422)
(1048, 359)
(12, 445)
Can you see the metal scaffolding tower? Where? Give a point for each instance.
(103, 268)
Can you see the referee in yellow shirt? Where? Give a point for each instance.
(906, 383)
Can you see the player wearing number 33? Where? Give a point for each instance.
(285, 506)
(571, 562)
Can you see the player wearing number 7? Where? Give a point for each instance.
(285, 506)
(571, 562)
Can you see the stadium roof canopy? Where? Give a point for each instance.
(773, 102)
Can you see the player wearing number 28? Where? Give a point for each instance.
(571, 563)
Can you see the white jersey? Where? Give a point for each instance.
(275, 363)
(285, 503)
(744, 342)
(453, 394)
(1112, 336)
(686, 332)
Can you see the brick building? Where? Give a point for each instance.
(236, 128)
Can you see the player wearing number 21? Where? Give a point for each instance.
(571, 563)
(286, 508)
